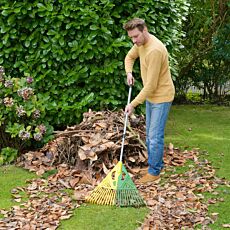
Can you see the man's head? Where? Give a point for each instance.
(137, 31)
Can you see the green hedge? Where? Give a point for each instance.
(75, 49)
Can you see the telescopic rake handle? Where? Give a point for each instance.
(125, 125)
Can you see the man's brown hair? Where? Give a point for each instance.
(135, 23)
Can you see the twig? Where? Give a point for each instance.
(63, 133)
(64, 183)
(137, 136)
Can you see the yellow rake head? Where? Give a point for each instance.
(117, 188)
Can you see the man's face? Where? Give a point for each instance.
(137, 37)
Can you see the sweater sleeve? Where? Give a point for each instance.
(130, 58)
(153, 65)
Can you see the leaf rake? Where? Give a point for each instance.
(117, 188)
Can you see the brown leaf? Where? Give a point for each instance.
(170, 147)
(106, 171)
(33, 186)
(40, 171)
(180, 196)
(214, 216)
(80, 195)
(74, 181)
(86, 180)
(66, 184)
(65, 217)
(132, 159)
(152, 202)
(142, 157)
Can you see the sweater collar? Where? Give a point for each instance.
(149, 42)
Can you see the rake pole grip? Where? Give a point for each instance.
(125, 125)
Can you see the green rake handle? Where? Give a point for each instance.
(125, 126)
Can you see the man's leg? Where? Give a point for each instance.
(148, 120)
(155, 136)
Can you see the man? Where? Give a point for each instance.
(158, 90)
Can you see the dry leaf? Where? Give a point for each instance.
(106, 171)
(74, 181)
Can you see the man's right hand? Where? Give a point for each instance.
(129, 109)
(130, 79)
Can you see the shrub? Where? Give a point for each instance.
(7, 155)
(22, 118)
(75, 49)
(194, 97)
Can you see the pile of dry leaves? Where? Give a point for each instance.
(94, 145)
(83, 154)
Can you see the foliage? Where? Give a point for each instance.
(75, 49)
(7, 155)
(193, 97)
(205, 60)
(22, 118)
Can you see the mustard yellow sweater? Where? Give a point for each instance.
(155, 72)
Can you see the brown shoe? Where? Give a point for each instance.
(149, 178)
(145, 170)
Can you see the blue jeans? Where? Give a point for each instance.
(156, 117)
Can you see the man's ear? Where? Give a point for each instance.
(145, 30)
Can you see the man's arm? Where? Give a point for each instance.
(130, 58)
(154, 61)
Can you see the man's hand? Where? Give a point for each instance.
(129, 109)
(130, 79)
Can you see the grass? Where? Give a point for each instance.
(95, 217)
(87, 217)
(11, 177)
(204, 127)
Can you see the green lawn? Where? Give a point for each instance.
(11, 177)
(94, 217)
(205, 127)
(87, 217)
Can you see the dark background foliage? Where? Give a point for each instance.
(205, 59)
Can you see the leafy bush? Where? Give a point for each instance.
(75, 49)
(194, 97)
(22, 118)
(7, 155)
